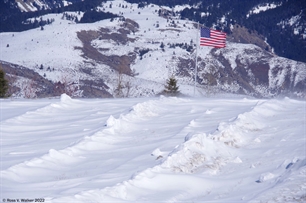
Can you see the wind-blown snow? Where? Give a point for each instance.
(219, 149)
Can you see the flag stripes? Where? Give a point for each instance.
(212, 38)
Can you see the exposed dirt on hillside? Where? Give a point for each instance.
(185, 65)
(222, 74)
(116, 62)
(94, 88)
(31, 79)
(241, 34)
(20, 77)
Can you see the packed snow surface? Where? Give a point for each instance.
(217, 149)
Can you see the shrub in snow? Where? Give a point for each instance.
(29, 88)
(70, 84)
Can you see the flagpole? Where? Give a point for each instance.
(196, 61)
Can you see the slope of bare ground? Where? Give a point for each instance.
(21, 78)
(118, 63)
(252, 77)
(29, 79)
(241, 34)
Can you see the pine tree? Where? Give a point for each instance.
(171, 87)
(3, 84)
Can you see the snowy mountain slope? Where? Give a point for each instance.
(280, 23)
(143, 49)
(228, 149)
(36, 5)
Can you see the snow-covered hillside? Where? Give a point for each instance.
(218, 149)
(36, 5)
(147, 45)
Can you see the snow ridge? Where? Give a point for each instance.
(201, 153)
(204, 149)
(99, 140)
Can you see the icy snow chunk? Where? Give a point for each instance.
(65, 98)
(54, 153)
(117, 125)
(208, 111)
(145, 109)
(158, 154)
(227, 133)
(265, 176)
(192, 123)
(196, 154)
(111, 121)
(257, 140)
(237, 160)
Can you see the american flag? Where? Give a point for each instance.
(212, 38)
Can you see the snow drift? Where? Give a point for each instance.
(159, 149)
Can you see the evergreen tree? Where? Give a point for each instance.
(171, 87)
(3, 84)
